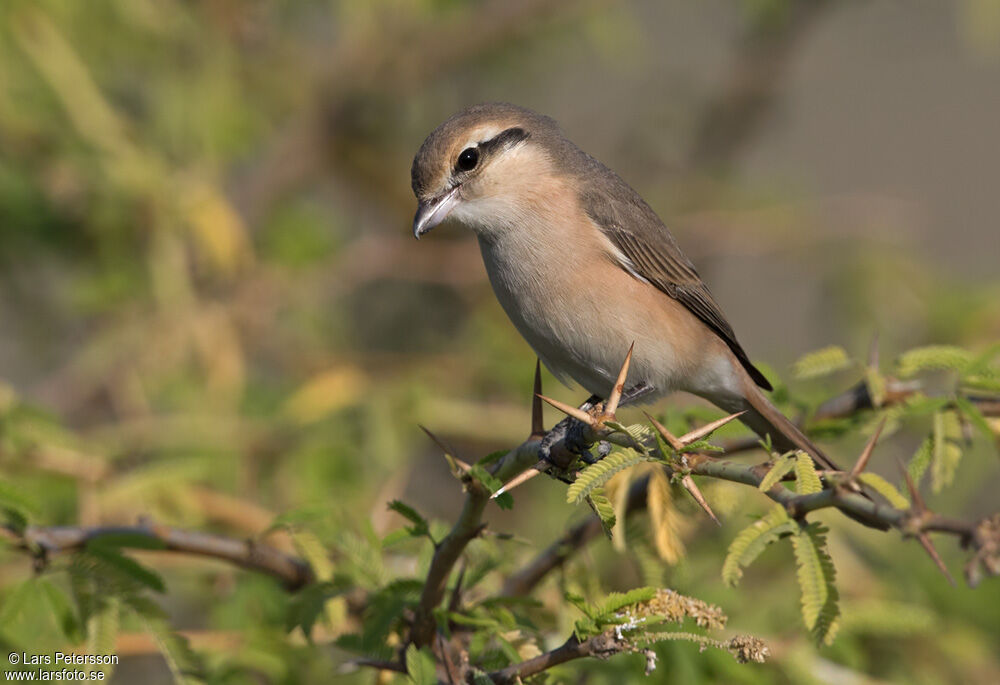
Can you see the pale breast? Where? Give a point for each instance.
(579, 311)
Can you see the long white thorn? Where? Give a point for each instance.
(699, 433)
(689, 485)
(671, 439)
(578, 414)
(519, 479)
(616, 392)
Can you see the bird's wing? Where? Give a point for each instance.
(652, 254)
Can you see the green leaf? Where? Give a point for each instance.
(616, 601)
(183, 662)
(639, 432)
(921, 460)
(308, 604)
(596, 475)
(102, 632)
(492, 483)
(806, 480)
(580, 603)
(492, 457)
(821, 362)
(934, 358)
(885, 488)
(752, 540)
(971, 412)
(781, 468)
(63, 610)
(128, 567)
(17, 509)
(420, 525)
(603, 508)
(420, 666)
(876, 385)
(947, 449)
(887, 619)
(480, 678)
(817, 581)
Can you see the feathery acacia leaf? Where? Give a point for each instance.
(420, 525)
(947, 449)
(934, 358)
(884, 488)
(602, 506)
(664, 518)
(102, 632)
(921, 459)
(420, 666)
(821, 362)
(781, 468)
(806, 480)
(183, 662)
(971, 412)
(617, 493)
(639, 432)
(596, 475)
(752, 540)
(817, 581)
(875, 382)
(616, 601)
(128, 567)
(492, 483)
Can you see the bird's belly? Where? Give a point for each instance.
(581, 333)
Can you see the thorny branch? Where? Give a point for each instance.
(841, 490)
(608, 644)
(984, 535)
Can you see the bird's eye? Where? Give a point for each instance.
(468, 159)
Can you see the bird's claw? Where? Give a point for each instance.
(571, 433)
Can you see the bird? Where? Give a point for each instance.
(585, 269)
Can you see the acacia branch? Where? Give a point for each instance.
(601, 646)
(466, 528)
(744, 648)
(983, 536)
(44, 541)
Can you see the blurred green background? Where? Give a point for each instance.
(212, 310)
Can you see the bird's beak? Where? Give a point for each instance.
(433, 211)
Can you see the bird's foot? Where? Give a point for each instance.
(572, 437)
(569, 439)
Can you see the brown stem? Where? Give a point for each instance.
(846, 404)
(602, 646)
(469, 524)
(293, 572)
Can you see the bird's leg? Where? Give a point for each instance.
(637, 391)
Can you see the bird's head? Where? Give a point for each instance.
(484, 166)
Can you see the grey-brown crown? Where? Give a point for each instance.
(436, 156)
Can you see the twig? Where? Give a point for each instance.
(293, 572)
(576, 538)
(602, 646)
(983, 536)
(466, 528)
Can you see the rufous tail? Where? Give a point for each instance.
(764, 419)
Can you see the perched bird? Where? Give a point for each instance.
(584, 267)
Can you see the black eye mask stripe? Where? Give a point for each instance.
(503, 140)
(495, 145)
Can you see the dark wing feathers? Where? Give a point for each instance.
(638, 233)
